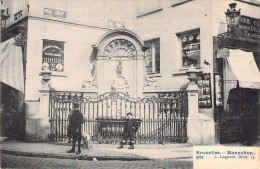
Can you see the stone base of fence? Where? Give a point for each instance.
(37, 129)
(201, 130)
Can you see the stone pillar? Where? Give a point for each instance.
(200, 127)
(38, 125)
(194, 123)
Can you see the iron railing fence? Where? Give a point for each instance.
(160, 119)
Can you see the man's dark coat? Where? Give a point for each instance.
(75, 122)
(130, 129)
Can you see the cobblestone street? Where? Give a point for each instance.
(9, 161)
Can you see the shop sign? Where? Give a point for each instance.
(250, 29)
(245, 37)
(53, 55)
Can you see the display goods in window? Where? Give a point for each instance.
(59, 67)
(45, 66)
(184, 39)
(205, 90)
(191, 50)
(53, 55)
(218, 90)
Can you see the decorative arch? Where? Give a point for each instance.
(119, 63)
(119, 43)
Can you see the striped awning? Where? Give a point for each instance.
(11, 65)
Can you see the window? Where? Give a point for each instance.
(153, 56)
(190, 43)
(53, 55)
(205, 90)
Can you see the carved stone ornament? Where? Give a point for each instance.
(120, 48)
(152, 82)
(46, 80)
(89, 82)
(120, 84)
(119, 69)
(86, 83)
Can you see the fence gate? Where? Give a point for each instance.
(160, 119)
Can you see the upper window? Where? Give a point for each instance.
(53, 55)
(190, 43)
(153, 56)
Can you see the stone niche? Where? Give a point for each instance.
(120, 63)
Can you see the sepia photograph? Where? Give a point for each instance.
(118, 84)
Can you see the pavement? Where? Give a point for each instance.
(98, 152)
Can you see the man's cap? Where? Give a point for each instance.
(129, 113)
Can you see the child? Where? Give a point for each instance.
(74, 128)
(129, 131)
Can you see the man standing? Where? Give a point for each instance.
(74, 128)
(129, 131)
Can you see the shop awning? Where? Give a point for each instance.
(11, 65)
(244, 69)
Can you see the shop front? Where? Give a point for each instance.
(239, 118)
(241, 97)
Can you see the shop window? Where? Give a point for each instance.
(190, 43)
(153, 56)
(204, 85)
(53, 55)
